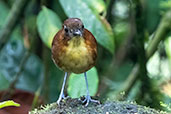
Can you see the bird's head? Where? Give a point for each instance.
(73, 27)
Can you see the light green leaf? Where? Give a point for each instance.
(96, 5)
(8, 103)
(92, 21)
(165, 4)
(158, 67)
(77, 85)
(168, 48)
(48, 24)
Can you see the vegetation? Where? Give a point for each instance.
(134, 51)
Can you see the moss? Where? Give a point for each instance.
(74, 106)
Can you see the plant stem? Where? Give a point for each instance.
(11, 21)
(110, 4)
(161, 32)
(46, 60)
(7, 94)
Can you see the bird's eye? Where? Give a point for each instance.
(82, 26)
(66, 30)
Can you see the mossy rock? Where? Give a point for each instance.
(74, 106)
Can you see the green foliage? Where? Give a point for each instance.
(153, 14)
(55, 80)
(165, 4)
(166, 104)
(168, 48)
(119, 53)
(121, 31)
(92, 21)
(10, 58)
(98, 6)
(4, 83)
(48, 24)
(77, 85)
(8, 103)
(156, 63)
(3, 12)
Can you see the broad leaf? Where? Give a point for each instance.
(48, 24)
(96, 5)
(55, 80)
(92, 21)
(4, 83)
(8, 103)
(10, 60)
(77, 85)
(3, 12)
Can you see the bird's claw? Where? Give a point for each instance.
(58, 101)
(89, 99)
(60, 98)
(63, 97)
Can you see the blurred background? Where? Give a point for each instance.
(134, 51)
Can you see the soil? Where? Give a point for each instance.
(75, 106)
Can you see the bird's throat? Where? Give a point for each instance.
(76, 42)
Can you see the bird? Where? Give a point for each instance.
(74, 50)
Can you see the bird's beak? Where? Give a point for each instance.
(77, 33)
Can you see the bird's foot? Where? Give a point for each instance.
(89, 99)
(61, 97)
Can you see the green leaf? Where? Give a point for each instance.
(121, 30)
(48, 24)
(165, 4)
(92, 21)
(4, 83)
(10, 60)
(157, 67)
(3, 12)
(168, 48)
(55, 80)
(77, 85)
(8, 103)
(153, 15)
(96, 5)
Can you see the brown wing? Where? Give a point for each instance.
(56, 38)
(57, 46)
(91, 43)
(90, 38)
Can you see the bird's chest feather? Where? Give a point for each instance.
(76, 49)
(76, 56)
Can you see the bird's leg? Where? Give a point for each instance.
(64, 97)
(62, 90)
(88, 98)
